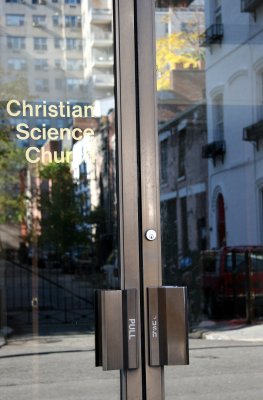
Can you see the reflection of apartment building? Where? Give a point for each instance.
(183, 178)
(234, 82)
(188, 13)
(98, 47)
(42, 42)
(63, 48)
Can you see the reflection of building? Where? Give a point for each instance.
(183, 176)
(85, 164)
(42, 42)
(94, 170)
(64, 49)
(98, 47)
(180, 73)
(187, 89)
(167, 21)
(182, 130)
(234, 81)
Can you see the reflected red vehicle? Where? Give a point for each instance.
(232, 276)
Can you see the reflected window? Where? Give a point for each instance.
(218, 11)
(58, 43)
(184, 225)
(74, 64)
(239, 263)
(38, 20)
(182, 153)
(58, 64)
(15, 19)
(72, 21)
(41, 85)
(43, 2)
(56, 20)
(17, 64)
(164, 161)
(221, 221)
(75, 84)
(59, 83)
(218, 117)
(16, 42)
(73, 44)
(41, 64)
(72, 2)
(40, 43)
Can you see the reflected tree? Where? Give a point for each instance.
(11, 156)
(178, 48)
(62, 223)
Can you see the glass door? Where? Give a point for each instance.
(209, 93)
(68, 197)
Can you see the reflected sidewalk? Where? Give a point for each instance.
(235, 329)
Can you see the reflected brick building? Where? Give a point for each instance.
(183, 175)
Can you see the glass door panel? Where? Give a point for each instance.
(209, 100)
(58, 193)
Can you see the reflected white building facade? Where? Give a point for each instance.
(234, 82)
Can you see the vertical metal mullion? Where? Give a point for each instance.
(149, 176)
(131, 380)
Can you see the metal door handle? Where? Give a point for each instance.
(116, 329)
(168, 326)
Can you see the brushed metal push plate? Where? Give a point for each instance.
(168, 326)
(116, 329)
(112, 330)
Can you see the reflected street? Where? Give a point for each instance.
(61, 366)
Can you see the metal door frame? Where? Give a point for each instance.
(138, 177)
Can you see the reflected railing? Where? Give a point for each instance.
(100, 14)
(101, 36)
(213, 34)
(250, 5)
(102, 58)
(103, 79)
(162, 4)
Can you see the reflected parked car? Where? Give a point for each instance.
(230, 275)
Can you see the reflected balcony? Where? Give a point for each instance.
(250, 5)
(103, 80)
(214, 34)
(39, 24)
(100, 15)
(102, 60)
(101, 39)
(173, 3)
(254, 132)
(214, 150)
